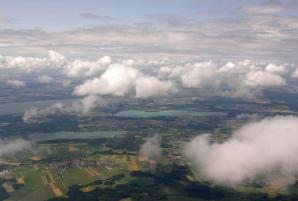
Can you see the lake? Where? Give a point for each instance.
(75, 135)
(165, 113)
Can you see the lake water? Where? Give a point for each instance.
(75, 135)
(165, 113)
(21, 107)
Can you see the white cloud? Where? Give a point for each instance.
(16, 83)
(198, 75)
(45, 79)
(266, 8)
(273, 68)
(124, 79)
(154, 77)
(264, 79)
(236, 79)
(9, 147)
(295, 73)
(151, 148)
(263, 152)
(82, 106)
(28, 64)
(35, 113)
(88, 103)
(152, 87)
(80, 68)
(117, 80)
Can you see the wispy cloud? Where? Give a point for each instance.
(93, 16)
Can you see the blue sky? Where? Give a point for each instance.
(56, 15)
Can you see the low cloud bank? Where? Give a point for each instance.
(82, 106)
(262, 152)
(151, 148)
(9, 147)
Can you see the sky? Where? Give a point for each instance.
(217, 28)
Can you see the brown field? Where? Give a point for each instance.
(73, 149)
(35, 158)
(36, 167)
(143, 158)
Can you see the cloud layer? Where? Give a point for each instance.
(148, 77)
(262, 152)
(152, 77)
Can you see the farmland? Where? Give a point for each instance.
(97, 155)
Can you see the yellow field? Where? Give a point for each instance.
(189, 178)
(120, 159)
(96, 173)
(87, 189)
(90, 172)
(20, 180)
(56, 190)
(133, 167)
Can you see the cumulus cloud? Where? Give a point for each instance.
(9, 147)
(264, 79)
(79, 68)
(55, 60)
(117, 80)
(260, 152)
(152, 87)
(295, 73)
(151, 148)
(29, 64)
(120, 80)
(16, 83)
(273, 68)
(45, 79)
(236, 79)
